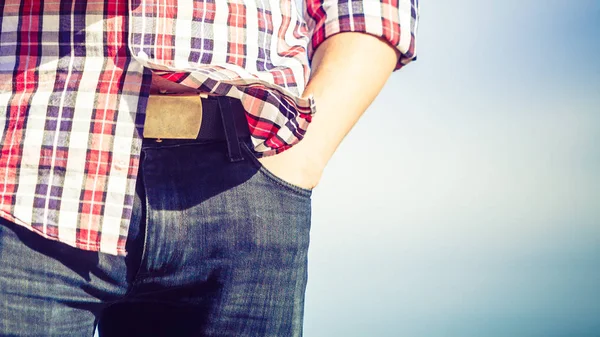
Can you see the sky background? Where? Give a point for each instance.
(466, 202)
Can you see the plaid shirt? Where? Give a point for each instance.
(75, 77)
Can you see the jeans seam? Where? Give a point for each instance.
(139, 274)
(190, 143)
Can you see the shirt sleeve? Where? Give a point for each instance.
(395, 21)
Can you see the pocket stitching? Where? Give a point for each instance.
(305, 192)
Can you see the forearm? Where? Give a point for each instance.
(349, 70)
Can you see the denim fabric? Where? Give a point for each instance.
(217, 248)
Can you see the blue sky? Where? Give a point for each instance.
(466, 202)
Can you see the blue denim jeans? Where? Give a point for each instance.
(216, 248)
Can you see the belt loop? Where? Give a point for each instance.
(231, 136)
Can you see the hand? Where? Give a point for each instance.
(296, 166)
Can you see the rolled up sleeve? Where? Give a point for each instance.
(394, 21)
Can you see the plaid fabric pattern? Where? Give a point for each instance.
(75, 77)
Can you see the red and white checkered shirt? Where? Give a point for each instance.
(75, 77)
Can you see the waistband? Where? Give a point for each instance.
(223, 119)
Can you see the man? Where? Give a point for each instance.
(152, 177)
